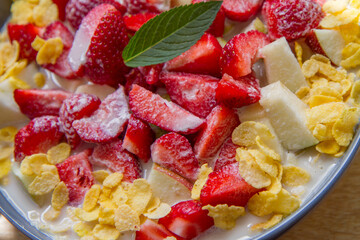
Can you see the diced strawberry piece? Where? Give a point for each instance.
(219, 125)
(152, 108)
(238, 93)
(98, 46)
(240, 52)
(136, 77)
(226, 155)
(107, 122)
(76, 10)
(73, 108)
(117, 159)
(38, 102)
(76, 173)
(140, 6)
(151, 230)
(202, 58)
(24, 35)
(152, 73)
(174, 152)
(241, 10)
(187, 219)
(195, 93)
(226, 186)
(291, 19)
(62, 67)
(138, 138)
(58, 29)
(134, 22)
(61, 5)
(217, 27)
(38, 136)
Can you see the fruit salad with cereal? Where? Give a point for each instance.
(226, 137)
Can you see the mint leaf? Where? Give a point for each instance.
(169, 34)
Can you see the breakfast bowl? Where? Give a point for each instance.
(239, 146)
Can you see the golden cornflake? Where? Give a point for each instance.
(9, 53)
(39, 79)
(91, 197)
(153, 204)
(5, 167)
(49, 168)
(205, 170)
(285, 203)
(266, 150)
(265, 163)
(5, 153)
(355, 93)
(45, 13)
(105, 232)
(113, 180)
(246, 132)
(310, 68)
(275, 186)
(328, 147)
(126, 219)
(327, 113)
(161, 211)
(60, 196)
(51, 214)
(106, 216)
(299, 53)
(139, 195)
(36, 161)
(50, 51)
(17, 83)
(7, 134)
(100, 175)
(341, 152)
(58, 153)
(335, 6)
(25, 168)
(317, 100)
(14, 70)
(259, 25)
(302, 92)
(119, 196)
(108, 204)
(323, 132)
(275, 219)
(294, 176)
(261, 203)
(224, 216)
(82, 228)
(87, 216)
(22, 12)
(343, 129)
(43, 183)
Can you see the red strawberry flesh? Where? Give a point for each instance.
(241, 10)
(226, 155)
(134, 22)
(151, 230)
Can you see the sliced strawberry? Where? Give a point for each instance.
(61, 5)
(219, 125)
(151, 230)
(76, 173)
(226, 186)
(226, 155)
(136, 77)
(195, 93)
(98, 46)
(218, 26)
(239, 53)
(174, 152)
(152, 108)
(202, 58)
(58, 29)
(138, 138)
(291, 19)
(140, 6)
(24, 35)
(241, 10)
(76, 10)
(38, 136)
(313, 42)
(187, 219)
(152, 73)
(117, 159)
(238, 93)
(134, 22)
(73, 108)
(106, 123)
(38, 102)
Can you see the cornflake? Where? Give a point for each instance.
(126, 219)
(161, 211)
(58, 153)
(343, 129)
(246, 132)
(328, 147)
(5, 167)
(294, 176)
(139, 194)
(224, 216)
(51, 214)
(275, 219)
(105, 232)
(50, 51)
(60, 196)
(107, 215)
(205, 170)
(100, 175)
(91, 197)
(43, 183)
(82, 228)
(113, 180)
(7, 134)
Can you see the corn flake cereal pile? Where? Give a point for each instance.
(7, 136)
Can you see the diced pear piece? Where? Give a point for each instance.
(281, 65)
(287, 115)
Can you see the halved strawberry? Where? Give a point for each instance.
(38, 136)
(98, 46)
(174, 152)
(238, 93)
(226, 186)
(138, 138)
(152, 73)
(195, 93)
(202, 58)
(219, 125)
(240, 52)
(24, 35)
(134, 22)
(152, 108)
(61, 5)
(76, 173)
(291, 19)
(38, 102)
(58, 29)
(218, 25)
(117, 159)
(107, 122)
(241, 10)
(73, 108)
(136, 77)
(187, 219)
(76, 10)
(151, 230)
(226, 155)
(140, 6)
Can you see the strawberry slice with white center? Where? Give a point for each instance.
(241, 10)
(202, 58)
(107, 122)
(73, 108)
(151, 230)
(38, 102)
(38, 136)
(98, 46)
(138, 138)
(226, 186)
(187, 219)
(152, 108)
(219, 125)
(173, 151)
(117, 159)
(195, 93)
(227, 154)
(76, 173)
(240, 53)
